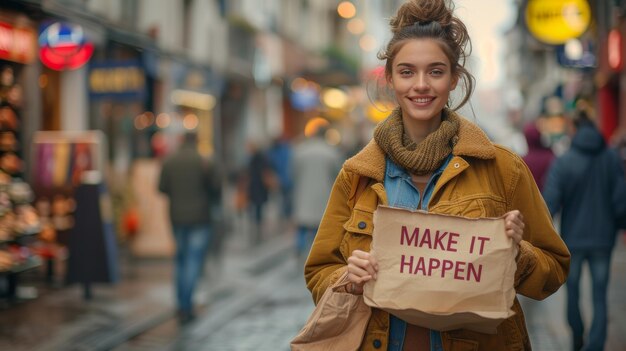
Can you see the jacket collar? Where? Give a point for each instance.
(473, 142)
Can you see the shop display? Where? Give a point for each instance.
(19, 221)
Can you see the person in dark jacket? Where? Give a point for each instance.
(192, 188)
(580, 185)
(539, 157)
(260, 178)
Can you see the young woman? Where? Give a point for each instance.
(426, 156)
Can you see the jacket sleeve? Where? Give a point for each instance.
(543, 259)
(325, 263)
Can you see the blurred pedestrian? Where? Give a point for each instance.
(260, 179)
(580, 185)
(279, 155)
(191, 184)
(315, 166)
(426, 156)
(539, 156)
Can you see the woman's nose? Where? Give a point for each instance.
(420, 82)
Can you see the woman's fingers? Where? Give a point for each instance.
(362, 264)
(514, 225)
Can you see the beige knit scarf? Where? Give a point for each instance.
(423, 158)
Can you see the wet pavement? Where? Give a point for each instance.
(253, 299)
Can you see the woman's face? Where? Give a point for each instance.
(421, 78)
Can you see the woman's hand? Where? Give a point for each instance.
(362, 267)
(514, 225)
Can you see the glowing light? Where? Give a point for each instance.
(368, 43)
(332, 136)
(346, 9)
(574, 49)
(190, 121)
(298, 84)
(163, 120)
(379, 110)
(356, 26)
(313, 125)
(335, 98)
(142, 121)
(615, 49)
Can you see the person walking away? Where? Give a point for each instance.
(280, 155)
(315, 165)
(260, 178)
(426, 156)
(580, 185)
(191, 184)
(539, 157)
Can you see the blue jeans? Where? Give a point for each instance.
(599, 266)
(192, 242)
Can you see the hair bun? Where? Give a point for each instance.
(422, 12)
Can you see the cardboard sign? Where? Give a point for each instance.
(442, 272)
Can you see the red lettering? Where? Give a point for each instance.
(433, 264)
(405, 234)
(482, 243)
(447, 265)
(404, 263)
(452, 242)
(471, 270)
(426, 239)
(421, 266)
(439, 239)
(459, 269)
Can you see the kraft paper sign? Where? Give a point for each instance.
(442, 272)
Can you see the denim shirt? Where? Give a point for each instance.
(401, 192)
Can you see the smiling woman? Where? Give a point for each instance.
(426, 156)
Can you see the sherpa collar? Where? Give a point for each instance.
(473, 142)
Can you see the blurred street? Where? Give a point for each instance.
(255, 300)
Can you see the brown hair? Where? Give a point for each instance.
(432, 19)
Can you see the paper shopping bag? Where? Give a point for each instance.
(338, 322)
(442, 272)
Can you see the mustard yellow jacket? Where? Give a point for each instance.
(481, 180)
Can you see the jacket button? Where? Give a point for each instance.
(377, 344)
(362, 225)
(457, 165)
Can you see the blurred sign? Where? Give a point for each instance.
(557, 21)
(118, 80)
(576, 54)
(62, 46)
(17, 44)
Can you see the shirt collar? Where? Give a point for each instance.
(393, 170)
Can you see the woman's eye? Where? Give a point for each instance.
(405, 72)
(437, 72)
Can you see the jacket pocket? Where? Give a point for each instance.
(358, 235)
(472, 206)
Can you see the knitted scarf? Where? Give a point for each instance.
(423, 158)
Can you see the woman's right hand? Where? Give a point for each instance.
(362, 267)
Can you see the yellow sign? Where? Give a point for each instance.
(557, 21)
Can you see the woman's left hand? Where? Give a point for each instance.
(514, 225)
